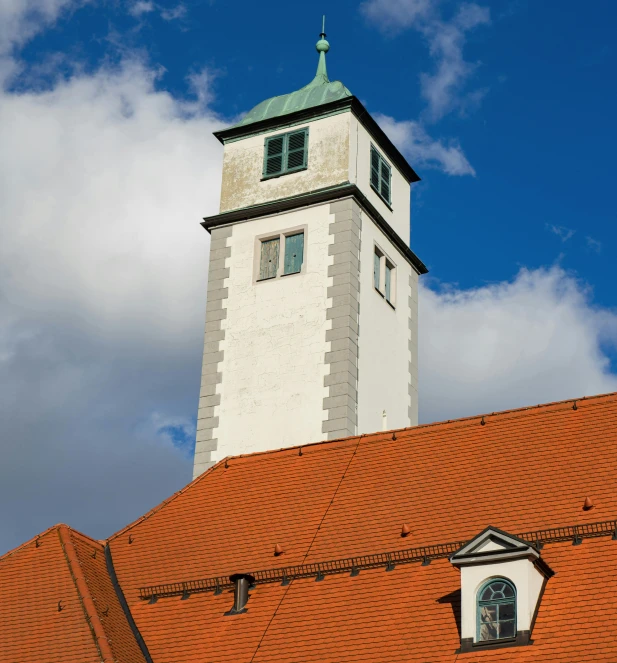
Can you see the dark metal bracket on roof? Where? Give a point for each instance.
(387, 560)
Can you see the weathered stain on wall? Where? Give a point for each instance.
(328, 165)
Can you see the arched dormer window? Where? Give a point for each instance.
(496, 610)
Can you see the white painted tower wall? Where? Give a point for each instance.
(319, 354)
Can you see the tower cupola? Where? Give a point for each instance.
(311, 318)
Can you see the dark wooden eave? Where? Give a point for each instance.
(315, 197)
(351, 103)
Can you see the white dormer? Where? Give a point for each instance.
(502, 580)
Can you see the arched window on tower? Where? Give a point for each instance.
(496, 610)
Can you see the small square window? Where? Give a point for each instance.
(272, 264)
(384, 276)
(381, 175)
(285, 153)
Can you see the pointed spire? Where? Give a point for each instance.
(321, 77)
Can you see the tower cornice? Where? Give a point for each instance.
(339, 192)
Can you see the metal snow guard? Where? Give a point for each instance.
(424, 554)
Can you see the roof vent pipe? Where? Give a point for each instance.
(242, 582)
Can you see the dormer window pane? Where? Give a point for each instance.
(496, 611)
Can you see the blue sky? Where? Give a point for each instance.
(505, 109)
(534, 114)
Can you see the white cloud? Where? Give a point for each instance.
(179, 11)
(444, 88)
(103, 182)
(397, 15)
(593, 244)
(535, 339)
(141, 7)
(20, 20)
(411, 138)
(562, 232)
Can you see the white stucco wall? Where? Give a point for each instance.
(521, 573)
(383, 344)
(328, 164)
(360, 172)
(273, 368)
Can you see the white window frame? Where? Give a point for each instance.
(280, 235)
(384, 259)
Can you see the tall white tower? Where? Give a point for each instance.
(311, 318)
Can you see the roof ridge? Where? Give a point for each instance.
(45, 532)
(165, 502)
(333, 444)
(23, 545)
(434, 424)
(100, 637)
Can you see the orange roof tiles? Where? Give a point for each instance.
(57, 603)
(523, 470)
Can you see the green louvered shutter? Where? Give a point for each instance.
(269, 260)
(375, 168)
(273, 161)
(294, 253)
(376, 269)
(385, 181)
(296, 150)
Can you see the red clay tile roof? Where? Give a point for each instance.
(522, 470)
(57, 603)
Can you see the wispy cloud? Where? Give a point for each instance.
(413, 139)
(20, 20)
(562, 232)
(179, 11)
(397, 15)
(444, 87)
(141, 7)
(593, 244)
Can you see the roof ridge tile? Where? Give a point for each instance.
(30, 541)
(165, 502)
(527, 410)
(81, 586)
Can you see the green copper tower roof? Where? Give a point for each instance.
(319, 91)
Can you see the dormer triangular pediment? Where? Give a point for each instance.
(493, 545)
